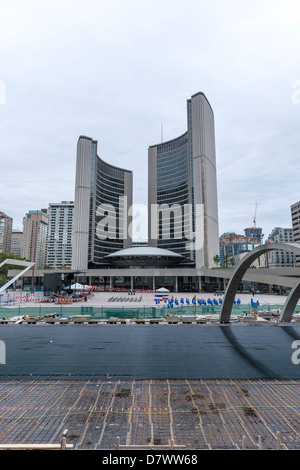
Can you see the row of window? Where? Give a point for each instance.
(167, 175)
(110, 171)
(171, 160)
(171, 183)
(172, 145)
(109, 182)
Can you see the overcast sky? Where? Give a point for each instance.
(117, 70)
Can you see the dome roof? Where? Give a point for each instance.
(143, 255)
(143, 251)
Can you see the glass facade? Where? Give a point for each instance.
(102, 194)
(173, 182)
(174, 188)
(92, 190)
(109, 190)
(190, 135)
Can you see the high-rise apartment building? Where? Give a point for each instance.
(16, 243)
(35, 228)
(103, 196)
(60, 234)
(295, 213)
(182, 189)
(6, 223)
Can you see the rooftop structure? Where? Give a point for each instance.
(144, 256)
(255, 232)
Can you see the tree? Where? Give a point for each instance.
(216, 259)
(232, 261)
(226, 260)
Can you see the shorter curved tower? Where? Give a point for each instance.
(103, 194)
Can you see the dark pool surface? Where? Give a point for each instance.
(150, 352)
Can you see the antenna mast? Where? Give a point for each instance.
(254, 218)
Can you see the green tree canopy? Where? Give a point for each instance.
(217, 259)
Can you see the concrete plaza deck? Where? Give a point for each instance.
(199, 386)
(146, 299)
(198, 414)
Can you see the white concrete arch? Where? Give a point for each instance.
(16, 262)
(290, 304)
(241, 269)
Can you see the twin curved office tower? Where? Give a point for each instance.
(182, 202)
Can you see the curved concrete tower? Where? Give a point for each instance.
(103, 193)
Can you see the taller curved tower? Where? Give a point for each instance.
(182, 189)
(103, 193)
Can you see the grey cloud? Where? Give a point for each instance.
(118, 70)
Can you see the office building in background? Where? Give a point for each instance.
(281, 258)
